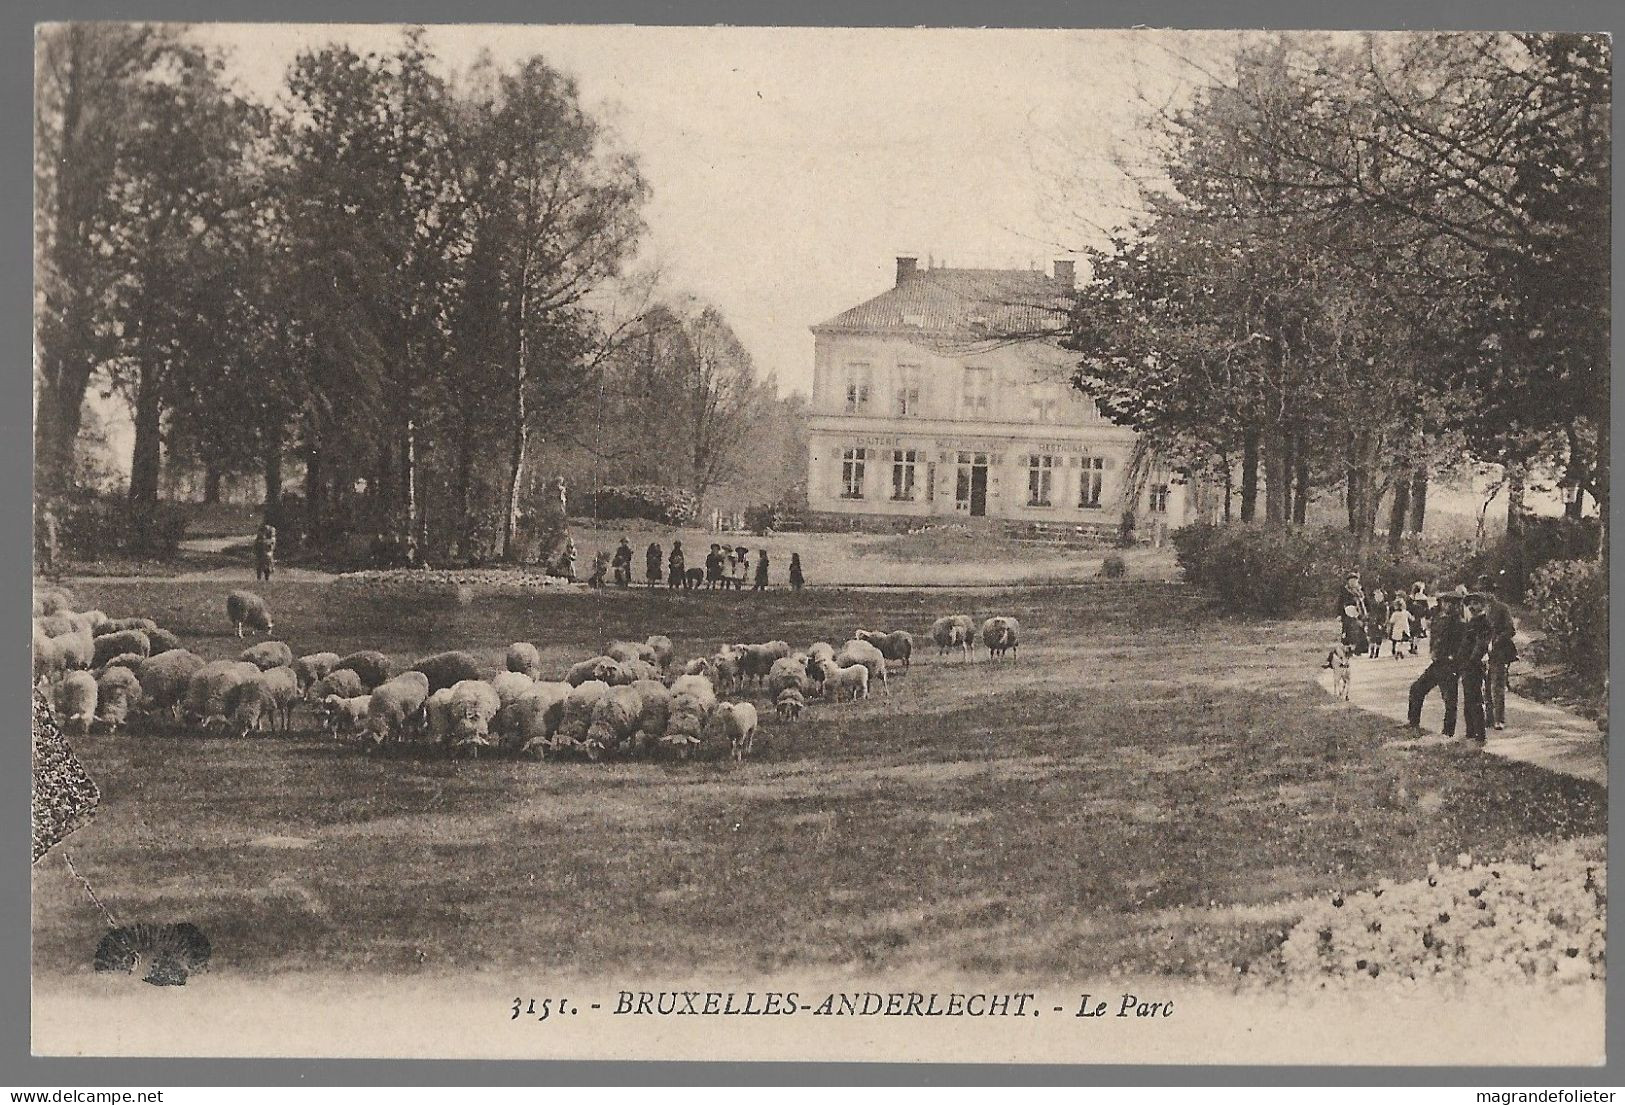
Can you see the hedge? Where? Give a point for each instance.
(1570, 602)
(672, 506)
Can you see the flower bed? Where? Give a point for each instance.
(1538, 918)
(449, 580)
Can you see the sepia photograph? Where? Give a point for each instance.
(813, 544)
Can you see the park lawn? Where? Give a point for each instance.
(1144, 789)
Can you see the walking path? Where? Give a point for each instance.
(1536, 733)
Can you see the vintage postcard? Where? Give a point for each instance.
(810, 544)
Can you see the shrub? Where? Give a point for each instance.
(1114, 567)
(91, 525)
(1570, 601)
(671, 506)
(1540, 541)
(764, 519)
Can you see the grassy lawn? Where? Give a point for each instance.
(1142, 791)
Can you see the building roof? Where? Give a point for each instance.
(974, 304)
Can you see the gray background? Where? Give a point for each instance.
(20, 1070)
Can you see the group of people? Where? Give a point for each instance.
(1471, 646)
(725, 568)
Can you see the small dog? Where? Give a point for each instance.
(1338, 661)
(790, 704)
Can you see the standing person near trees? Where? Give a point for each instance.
(1444, 643)
(761, 570)
(651, 564)
(49, 545)
(1352, 609)
(1473, 655)
(622, 563)
(264, 550)
(796, 578)
(1503, 651)
(675, 567)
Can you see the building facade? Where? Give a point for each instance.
(940, 398)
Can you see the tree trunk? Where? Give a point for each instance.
(313, 485)
(1249, 475)
(521, 422)
(56, 428)
(409, 473)
(211, 483)
(1277, 464)
(146, 459)
(1399, 510)
(1419, 499)
(1229, 487)
(273, 483)
(1300, 502)
(1515, 509)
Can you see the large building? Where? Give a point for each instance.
(940, 398)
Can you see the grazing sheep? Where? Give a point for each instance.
(95, 619)
(474, 705)
(55, 600)
(162, 640)
(661, 644)
(283, 683)
(529, 722)
(522, 656)
(60, 625)
(313, 667)
(342, 682)
(395, 705)
(820, 650)
(250, 705)
(577, 711)
(447, 669)
(726, 671)
(48, 662)
(790, 673)
(897, 647)
(654, 714)
(613, 722)
(117, 691)
(342, 716)
(702, 665)
(511, 685)
(106, 647)
(245, 608)
(76, 700)
(131, 660)
(755, 661)
(634, 670)
(209, 688)
(852, 682)
(371, 666)
(630, 650)
(602, 669)
(692, 700)
(999, 636)
(267, 655)
(862, 652)
(438, 718)
(733, 723)
(697, 687)
(953, 631)
(78, 650)
(165, 677)
(790, 703)
(117, 625)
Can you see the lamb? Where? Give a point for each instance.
(106, 647)
(789, 673)
(523, 656)
(342, 716)
(395, 705)
(76, 700)
(118, 625)
(267, 655)
(661, 645)
(852, 681)
(210, 686)
(529, 722)
(116, 691)
(313, 667)
(371, 666)
(602, 669)
(629, 650)
(735, 723)
(164, 678)
(953, 631)
(862, 652)
(1000, 635)
(511, 685)
(162, 640)
(342, 682)
(474, 705)
(897, 647)
(447, 669)
(245, 608)
(790, 703)
(576, 715)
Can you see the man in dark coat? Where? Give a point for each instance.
(1503, 652)
(652, 559)
(675, 568)
(1441, 672)
(1471, 658)
(622, 563)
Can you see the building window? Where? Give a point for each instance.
(908, 391)
(857, 388)
(1159, 498)
(852, 474)
(1043, 405)
(1089, 486)
(978, 385)
(1040, 480)
(902, 474)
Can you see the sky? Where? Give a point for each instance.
(789, 167)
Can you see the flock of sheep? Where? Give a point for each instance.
(632, 700)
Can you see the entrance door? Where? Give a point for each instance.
(978, 490)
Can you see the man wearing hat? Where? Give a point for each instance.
(1443, 643)
(1471, 657)
(1352, 609)
(1503, 651)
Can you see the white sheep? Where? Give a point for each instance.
(48, 663)
(613, 723)
(702, 665)
(370, 665)
(343, 682)
(76, 700)
(634, 670)
(447, 669)
(686, 717)
(209, 688)
(117, 691)
(852, 682)
(54, 600)
(245, 608)
(77, 650)
(862, 652)
(106, 647)
(630, 650)
(268, 654)
(1000, 636)
(789, 673)
(250, 704)
(790, 703)
(164, 679)
(162, 640)
(529, 722)
(897, 646)
(439, 720)
(654, 714)
(342, 716)
(395, 705)
(114, 625)
(602, 669)
(316, 666)
(511, 685)
(953, 631)
(661, 644)
(523, 656)
(732, 723)
(474, 705)
(697, 687)
(577, 712)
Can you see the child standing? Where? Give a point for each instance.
(796, 579)
(1378, 628)
(761, 569)
(1399, 626)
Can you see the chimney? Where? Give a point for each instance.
(906, 267)
(1066, 273)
